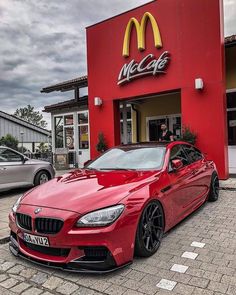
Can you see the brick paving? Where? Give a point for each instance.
(212, 272)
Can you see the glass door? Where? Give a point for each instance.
(154, 127)
(83, 135)
(175, 126)
(69, 139)
(231, 122)
(173, 123)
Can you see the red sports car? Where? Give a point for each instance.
(118, 206)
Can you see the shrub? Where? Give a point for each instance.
(188, 135)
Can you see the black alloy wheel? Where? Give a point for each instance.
(150, 230)
(214, 188)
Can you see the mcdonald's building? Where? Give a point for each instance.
(164, 62)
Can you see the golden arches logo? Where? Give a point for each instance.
(140, 30)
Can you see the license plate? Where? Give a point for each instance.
(37, 240)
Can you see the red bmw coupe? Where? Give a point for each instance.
(97, 218)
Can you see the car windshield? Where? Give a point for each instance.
(140, 158)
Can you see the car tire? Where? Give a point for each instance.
(214, 188)
(150, 230)
(41, 177)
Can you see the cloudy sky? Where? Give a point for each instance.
(43, 42)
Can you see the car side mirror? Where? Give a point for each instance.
(205, 155)
(24, 159)
(176, 164)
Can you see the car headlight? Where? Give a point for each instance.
(16, 205)
(101, 217)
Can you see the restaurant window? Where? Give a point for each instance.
(83, 129)
(83, 118)
(69, 137)
(59, 132)
(68, 120)
(64, 131)
(231, 117)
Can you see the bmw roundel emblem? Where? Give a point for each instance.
(36, 211)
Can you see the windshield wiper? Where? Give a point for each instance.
(90, 168)
(121, 169)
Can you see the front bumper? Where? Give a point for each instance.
(80, 250)
(79, 265)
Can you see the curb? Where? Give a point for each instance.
(4, 240)
(224, 188)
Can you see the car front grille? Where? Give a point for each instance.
(48, 225)
(61, 252)
(24, 221)
(95, 253)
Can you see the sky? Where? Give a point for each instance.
(43, 42)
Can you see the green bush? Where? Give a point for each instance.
(101, 145)
(9, 141)
(188, 135)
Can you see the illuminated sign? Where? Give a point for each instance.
(149, 65)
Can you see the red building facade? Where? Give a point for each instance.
(163, 47)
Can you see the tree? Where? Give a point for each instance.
(42, 148)
(9, 141)
(30, 115)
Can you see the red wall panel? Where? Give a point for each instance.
(192, 32)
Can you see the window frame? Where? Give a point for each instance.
(21, 157)
(83, 125)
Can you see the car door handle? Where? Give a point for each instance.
(193, 172)
(3, 168)
(165, 189)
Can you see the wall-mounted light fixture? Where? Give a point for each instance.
(199, 85)
(97, 101)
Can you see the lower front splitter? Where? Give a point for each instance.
(70, 267)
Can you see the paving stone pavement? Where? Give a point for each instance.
(212, 272)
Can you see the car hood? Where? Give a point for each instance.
(83, 190)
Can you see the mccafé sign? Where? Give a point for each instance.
(150, 64)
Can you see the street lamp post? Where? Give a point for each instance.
(22, 137)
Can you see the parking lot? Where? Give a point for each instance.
(207, 267)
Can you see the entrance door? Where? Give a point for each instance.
(231, 118)
(153, 130)
(232, 140)
(83, 135)
(154, 127)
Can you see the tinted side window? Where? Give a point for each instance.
(178, 153)
(9, 156)
(2, 157)
(192, 153)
